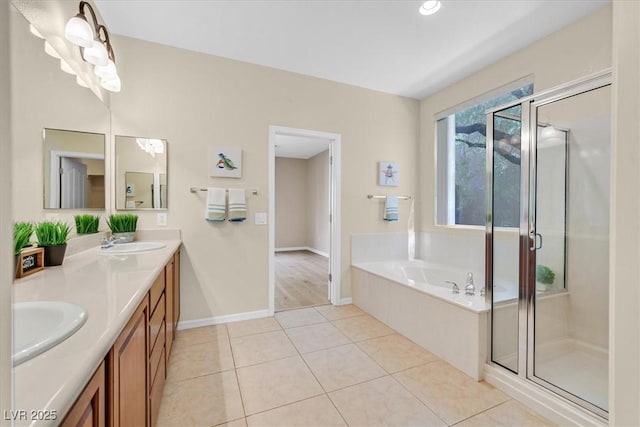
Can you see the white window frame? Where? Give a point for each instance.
(445, 206)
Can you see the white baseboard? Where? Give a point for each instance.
(345, 301)
(542, 401)
(217, 320)
(302, 248)
(291, 248)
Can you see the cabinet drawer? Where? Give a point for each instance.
(156, 291)
(155, 394)
(156, 357)
(156, 323)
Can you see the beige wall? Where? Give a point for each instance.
(624, 308)
(291, 207)
(44, 97)
(196, 101)
(302, 202)
(318, 201)
(570, 53)
(6, 228)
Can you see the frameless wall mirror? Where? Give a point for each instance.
(141, 173)
(73, 170)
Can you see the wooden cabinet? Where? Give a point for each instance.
(157, 342)
(170, 295)
(126, 390)
(127, 377)
(172, 275)
(89, 409)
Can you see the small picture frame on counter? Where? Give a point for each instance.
(30, 260)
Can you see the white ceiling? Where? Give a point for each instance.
(383, 45)
(297, 147)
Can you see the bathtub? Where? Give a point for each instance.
(430, 278)
(413, 298)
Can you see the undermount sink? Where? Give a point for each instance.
(133, 247)
(41, 325)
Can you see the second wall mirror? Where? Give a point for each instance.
(141, 173)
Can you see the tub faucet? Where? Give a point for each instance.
(470, 288)
(455, 289)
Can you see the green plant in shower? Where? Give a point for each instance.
(22, 232)
(87, 224)
(122, 223)
(545, 275)
(50, 233)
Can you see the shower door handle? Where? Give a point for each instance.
(536, 237)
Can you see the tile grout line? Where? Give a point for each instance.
(482, 412)
(235, 369)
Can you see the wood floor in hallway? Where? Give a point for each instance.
(301, 279)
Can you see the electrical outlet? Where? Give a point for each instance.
(162, 219)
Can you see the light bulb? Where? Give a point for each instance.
(430, 7)
(78, 31)
(112, 85)
(64, 66)
(96, 54)
(50, 50)
(107, 72)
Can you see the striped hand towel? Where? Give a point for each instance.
(216, 205)
(237, 205)
(391, 208)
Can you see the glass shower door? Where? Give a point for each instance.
(569, 281)
(504, 171)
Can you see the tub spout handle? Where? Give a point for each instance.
(454, 289)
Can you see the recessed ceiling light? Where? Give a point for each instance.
(430, 7)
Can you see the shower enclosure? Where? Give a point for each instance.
(548, 279)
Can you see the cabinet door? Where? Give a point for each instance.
(169, 294)
(128, 368)
(89, 409)
(176, 290)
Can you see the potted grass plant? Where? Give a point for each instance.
(87, 224)
(545, 277)
(22, 232)
(52, 236)
(123, 226)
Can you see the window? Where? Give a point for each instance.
(461, 162)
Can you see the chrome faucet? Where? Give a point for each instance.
(106, 243)
(470, 288)
(455, 289)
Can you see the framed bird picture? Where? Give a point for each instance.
(225, 162)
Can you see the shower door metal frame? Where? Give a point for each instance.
(527, 230)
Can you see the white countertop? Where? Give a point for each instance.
(110, 288)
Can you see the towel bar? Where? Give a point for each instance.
(371, 196)
(196, 189)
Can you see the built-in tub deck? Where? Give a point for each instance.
(413, 298)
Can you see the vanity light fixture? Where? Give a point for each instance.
(430, 7)
(95, 46)
(64, 66)
(151, 146)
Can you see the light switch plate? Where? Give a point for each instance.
(162, 219)
(260, 218)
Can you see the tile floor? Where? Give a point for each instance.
(322, 366)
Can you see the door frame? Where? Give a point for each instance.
(335, 141)
(54, 172)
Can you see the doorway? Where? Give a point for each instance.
(304, 227)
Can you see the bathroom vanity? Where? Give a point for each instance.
(112, 370)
